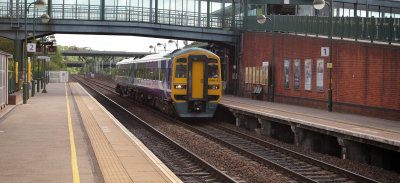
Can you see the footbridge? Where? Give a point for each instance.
(180, 19)
(107, 57)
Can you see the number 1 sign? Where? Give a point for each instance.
(324, 51)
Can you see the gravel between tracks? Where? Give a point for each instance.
(249, 171)
(373, 172)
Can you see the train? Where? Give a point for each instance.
(186, 82)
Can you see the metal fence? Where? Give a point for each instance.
(58, 76)
(3, 80)
(373, 29)
(127, 13)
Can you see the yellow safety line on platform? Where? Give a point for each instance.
(74, 162)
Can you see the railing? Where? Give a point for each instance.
(373, 29)
(126, 13)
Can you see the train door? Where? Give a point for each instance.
(197, 81)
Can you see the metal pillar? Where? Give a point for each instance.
(208, 13)
(246, 12)
(34, 57)
(25, 84)
(102, 9)
(49, 7)
(272, 60)
(156, 11)
(44, 70)
(330, 58)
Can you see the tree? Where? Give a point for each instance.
(7, 45)
(57, 63)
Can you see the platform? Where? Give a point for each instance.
(67, 136)
(339, 130)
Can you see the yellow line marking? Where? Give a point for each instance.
(74, 162)
(332, 119)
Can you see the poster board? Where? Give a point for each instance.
(246, 75)
(264, 73)
(307, 74)
(254, 75)
(296, 74)
(320, 75)
(286, 74)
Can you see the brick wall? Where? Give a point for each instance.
(365, 77)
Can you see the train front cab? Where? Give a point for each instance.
(196, 84)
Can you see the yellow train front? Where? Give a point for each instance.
(196, 82)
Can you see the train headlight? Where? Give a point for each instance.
(180, 86)
(213, 87)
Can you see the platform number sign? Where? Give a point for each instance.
(324, 51)
(31, 47)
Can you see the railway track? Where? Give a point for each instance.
(186, 165)
(300, 167)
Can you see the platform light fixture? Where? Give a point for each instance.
(320, 4)
(40, 5)
(152, 47)
(45, 18)
(162, 45)
(172, 42)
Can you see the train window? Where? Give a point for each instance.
(212, 60)
(180, 71)
(181, 60)
(213, 71)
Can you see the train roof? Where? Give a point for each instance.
(160, 56)
(183, 51)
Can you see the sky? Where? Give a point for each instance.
(114, 43)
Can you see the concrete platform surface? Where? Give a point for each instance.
(375, 129)
(67, 136)
(35, 143)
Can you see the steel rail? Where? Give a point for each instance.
(297, 155)
(219, 174)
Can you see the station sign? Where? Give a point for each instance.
(324, 51)
(46, 58)
(31, 47)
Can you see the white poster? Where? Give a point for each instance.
(264, 74)
(307, 74)
(296, 71)
(246, 75)
(257, 75)
(286, 76)
(254, 75)
(320, 75)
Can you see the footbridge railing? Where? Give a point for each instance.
(358, 28)
(216, 20)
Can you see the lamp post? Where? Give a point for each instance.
(261, 19)
(151, 47)
(319, 4)
(172, 42)
(45, 75)
(39, 4)
(44, 19)
(164, 45)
